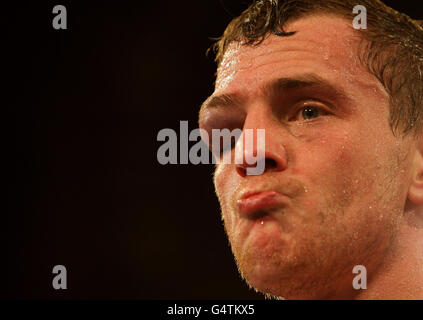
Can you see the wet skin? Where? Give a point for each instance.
(341, 176)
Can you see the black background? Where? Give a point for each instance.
(84, 188)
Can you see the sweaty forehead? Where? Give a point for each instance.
(322, 44)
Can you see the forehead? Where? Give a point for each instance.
(324, 45)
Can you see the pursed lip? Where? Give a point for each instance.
(251, 202)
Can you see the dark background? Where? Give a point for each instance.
(84, 188)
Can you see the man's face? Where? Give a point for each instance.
(336, 177)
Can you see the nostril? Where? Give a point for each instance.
(241, 171)
(270, 164)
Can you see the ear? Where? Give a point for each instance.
(415, 191)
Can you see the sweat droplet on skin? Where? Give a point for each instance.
(227, 68)
(223, 83)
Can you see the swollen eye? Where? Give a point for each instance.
(224, 126)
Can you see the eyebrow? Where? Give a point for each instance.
(220, 100)
(306, 81)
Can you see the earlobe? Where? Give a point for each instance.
(415, 191)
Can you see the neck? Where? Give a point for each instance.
(400, 275)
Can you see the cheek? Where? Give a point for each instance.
(330, 163)
(221, 179)
(354, 179)
(339, 173)
(225, 182)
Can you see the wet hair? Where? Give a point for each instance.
(391, 47)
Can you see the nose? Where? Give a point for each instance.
(268, 152)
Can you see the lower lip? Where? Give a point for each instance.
(259, 201)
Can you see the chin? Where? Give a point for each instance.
(265, 281)
(283, 288)
(283, 279)
(266, 276)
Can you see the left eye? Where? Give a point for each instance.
(309, 113)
